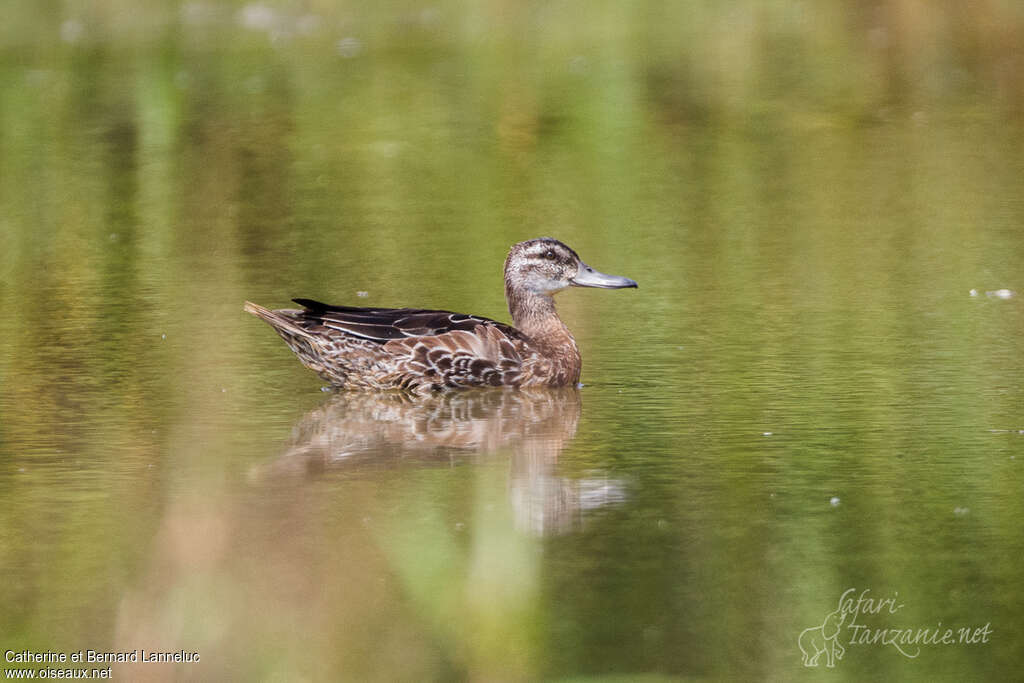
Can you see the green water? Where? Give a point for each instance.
(802, 397)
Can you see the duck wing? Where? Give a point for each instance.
(383, 325)
(428, 349)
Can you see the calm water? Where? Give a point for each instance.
(803, 397)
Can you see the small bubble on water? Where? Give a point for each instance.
(960, 512)
(257, 17)
(1000, 294)
(349, 47)
(278, 37)
(459, 526)
(579, 64)
(163, 336)
(833, 501)
(254, 85)
(389, 149)
(766, 433)
(197, 13)
(430, 16)
(362, 295)
(973, 292)
(71, 31)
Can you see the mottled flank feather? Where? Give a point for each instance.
(409, 349)
(422, 351)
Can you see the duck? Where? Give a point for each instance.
(423, 351)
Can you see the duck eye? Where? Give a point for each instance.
(549, 255)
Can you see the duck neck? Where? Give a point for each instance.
(534, 314)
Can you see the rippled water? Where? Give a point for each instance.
(816, 388)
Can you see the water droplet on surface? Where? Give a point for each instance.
(833, 501)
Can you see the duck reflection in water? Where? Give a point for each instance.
(367, 431)
(354, 535)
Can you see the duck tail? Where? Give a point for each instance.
(278, 320)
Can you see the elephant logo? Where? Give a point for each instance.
(824, 639)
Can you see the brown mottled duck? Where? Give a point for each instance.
(422, 351)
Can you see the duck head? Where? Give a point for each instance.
(545, 266)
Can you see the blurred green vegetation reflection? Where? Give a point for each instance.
(817, 386)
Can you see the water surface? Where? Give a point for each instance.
(802, 397)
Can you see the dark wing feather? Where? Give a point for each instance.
(387, 324)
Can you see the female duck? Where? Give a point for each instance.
(422, 351)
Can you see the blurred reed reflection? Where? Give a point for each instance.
(374, 430)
